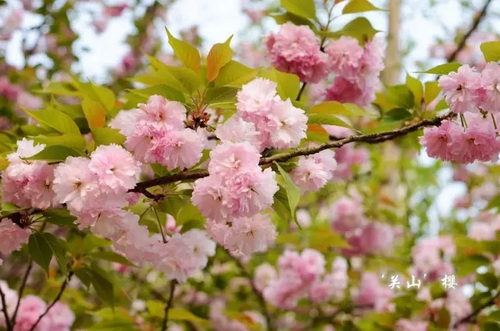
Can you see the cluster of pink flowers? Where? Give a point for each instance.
(452, 142)
(410, 325)
(276, 123)
(471, 91)
(231, 197)
(28, 183)
(357, 70)
(180, 257)
(221, 322)
(91, 186)
(364, 237)
(13, 236)
(373, 294)
(156, 133)
(432, 257)
(59, 318)
(302, 275)
(295, 49)
(314, 171)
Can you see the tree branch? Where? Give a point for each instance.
(366, 138)
(56, 299)
(21, 291)
(302, 88)
(169, 305)
(475, 23)
(469, 318)
(258, 295)
(4, 310)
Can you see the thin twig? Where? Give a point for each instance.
(169, 304)
(476, 312)
(475, 23)
(258, 295)
(21, 291)
(4, 309)
(304, 84)
(56, 299)
(160, 226)
(365, 138)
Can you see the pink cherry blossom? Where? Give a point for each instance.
(409, 325)
(372, 293)
(30, 308)
(115, 168)
(431, 257)
(158, 109)
(229, 159)
(263, 275)
(490, 82)
(209, 195)
(256, 97)
(10, 301)
(313, 172)
(344, 55)
(178, 149)
(347, 158)
(295, 49)
(236, 130)
(288, 125)
(12, 236)
(347, 215)
(350, 91)
(462, 89)
(438, 141)
(60, 317)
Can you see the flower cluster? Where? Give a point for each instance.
(156, 133)
(236, 190)
(357, 70)
(60, 317)
(28, 183)
(302, 275)
(91, 186)
(276, 123)
(295, 49)
(373, 294)
(314, 171)
(12, 236)
(364, 237)
(432, 257)
(452, 142)
(468, 90)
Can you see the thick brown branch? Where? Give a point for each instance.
(366, 138)
(56, 299)
(469, 318)
(258, 295)
(475, 23)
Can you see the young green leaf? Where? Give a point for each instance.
(56, 120)
(42, 246)
(291, 191)
(106, 136)
(303, 8)
(491, 51)
(329, 119)
(359, 28)
(94, 113)
(234, 74)
(55, 153)
(359, 6)
(416, 87)
(185, 52)
(442, 69)
(218, 56)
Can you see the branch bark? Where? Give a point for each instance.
(475, 23)
(4, 310)
(21, 291)
(365, 138)
(469, 318)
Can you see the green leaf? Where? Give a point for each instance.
(323, 240)
(359, 6)
(488, 279)
(112, 257)
(73, 141)
(416, 87)
(60, 217)
(337, 108)
(56, 120)
(102, 285)
(97, 93)
(491, 51)
(55, 153)
(401, 96)
(291, 190)
(42, 246)
(218, 56)
(185, 52)
(221, 97)
(302, 8)
(182, 79)
(442, 69)
(163, 90)
(466, 265)
(235, 74)
(295, 19)
(189, 213)
(288, 85)
(359, 28)
(328, 119)
(107, 136)
(398, 114)
(432, 90)
(94, 113)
